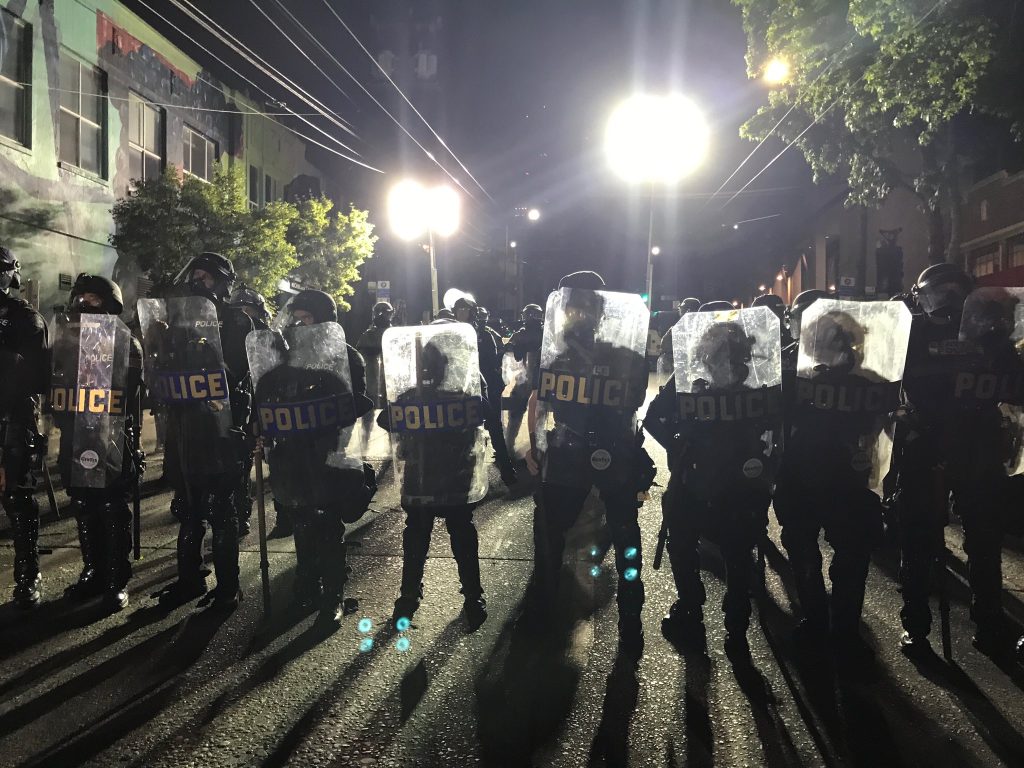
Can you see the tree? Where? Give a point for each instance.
(166, 221)
(884, 93)
(331, 246)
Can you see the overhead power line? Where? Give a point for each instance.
(404, 97)
(266, 93)
(430, 155)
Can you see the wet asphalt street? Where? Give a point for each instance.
(192, 688)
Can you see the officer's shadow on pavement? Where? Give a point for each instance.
(527, 687)
(138, 680)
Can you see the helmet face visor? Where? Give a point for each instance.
(944, 299)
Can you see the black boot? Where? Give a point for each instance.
(306, 587)
(191, 582)
(25, 530)
(90, 582)
(332, 565)
(225, 553)
(117, 519)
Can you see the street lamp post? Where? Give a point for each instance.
(415, 210)
(655, 140)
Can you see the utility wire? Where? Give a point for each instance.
(404, 97)
(298, 23)
(263, 91)
(231, 41)
(823, 112)
(55, 231)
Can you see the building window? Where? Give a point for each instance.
(1015, 252)
(983, 210)
(254, 187)
(269, 189)
(145, 139)
(82, 133)
(15, 67)
(198, 154)
(985, 262)
(831, 263)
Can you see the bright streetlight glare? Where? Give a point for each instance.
(512, 244)
(762, 288)
(776, 71)
(413, 210)
(655, 250)
(444, 208)
(406, 210)
(656, 139)
(533, 214)
(454, 294)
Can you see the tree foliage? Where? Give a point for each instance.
(882, 92)
(167, 220)
(332, 245)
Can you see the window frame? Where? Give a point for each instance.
(137, 100)
(23, 85)
(989, 256)
(101, 127)
(187, 157)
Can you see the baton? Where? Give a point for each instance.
(659, 551)
(940, 563)
(50, 495)
(137, 490)
(261, 515)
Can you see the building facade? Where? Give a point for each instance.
(992, 219)
(91, 98)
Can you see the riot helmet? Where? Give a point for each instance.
(725, 351)
(532, 313)
(465, 309)
(382, 314)
(582, 279)
(433, 365)
(773, 302)
(483, 314)
(445, 314)
(803, 300)
(94, 294)
(581, 315)
(716, 306)
(689, 304)
(208, 274)
(309, 307)
(991, 319)
(10, 270)
(837, 342)
(941, 290)
(250, 301)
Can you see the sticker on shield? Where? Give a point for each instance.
(600, 459)
(860, 461)
(89, 459)
(752, 468)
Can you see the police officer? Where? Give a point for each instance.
(466, 311)
(948, 445)
(320, 569)
(524, 344)
(721, 468)
(252, 303)
(370, 348)
(823, 479)
(102, 514)
(24, 375)
(210, 497)
(442, 469)
(590, 445)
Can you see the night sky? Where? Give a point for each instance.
(522, 94)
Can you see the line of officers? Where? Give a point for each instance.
(582, 378)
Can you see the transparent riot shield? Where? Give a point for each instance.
(305, 412)
(185, 372)
(436, 413)
(850, 362)
(592, 378)
(88, 395)
(728, 377)
(992, 372)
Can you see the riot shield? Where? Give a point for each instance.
(185, 370)
(991, 372)
(728, 377)
(305, 411)
(592, 378)
(88, 395)
(436, 413)
(850, 362)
